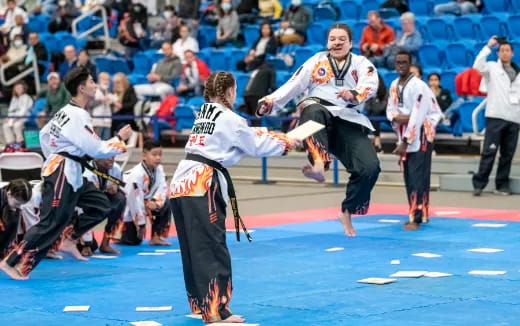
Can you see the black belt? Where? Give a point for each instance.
(85, 164)
(231, 191)
(317, 100)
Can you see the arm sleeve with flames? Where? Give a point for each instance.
(418, 114)
(258, 142)
(162, 190)
(135, 193)
(392, 109)
(368, 82)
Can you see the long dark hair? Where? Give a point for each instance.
(271, 33)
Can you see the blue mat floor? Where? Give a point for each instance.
(285, 277)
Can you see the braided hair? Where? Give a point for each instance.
(217, 85)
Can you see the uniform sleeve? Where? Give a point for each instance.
(135, 194)
(162, 190)
(80, 132)
(392, 109)
(419, 112)
(258, 142)
(293, 87)
(368, 82)
(481, 63)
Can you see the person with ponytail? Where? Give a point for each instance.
(12, 196)
(338, 83)
(201, 188)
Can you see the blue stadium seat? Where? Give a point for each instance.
(439, 29)
(39, 23)
(479, 46)
(137, 79)
(103, 64)
(465, 115)
(218, 60)
(492, 6)
(235, 56)
(251, 33)
(515, 6)
(430, 55)
(50, 41)
(421, 7)
(457, 56)
(464, 28)
(184, 117)
(241, 78)
(196, 102)
(301, 55)
(389, 13)
(324, 13)
(357, 31)
(206, 35)
(389, 78)
(349, 9)
(492, 25)
(142, 63)
(282, 77)
(513, 23)
(448, 80)
(366, 6)
(316, 33)
(276, 62)
(119, 65)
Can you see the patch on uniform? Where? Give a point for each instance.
(355, 75)
(322, 72)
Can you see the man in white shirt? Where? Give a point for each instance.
(11, 12)
(502, 115)
(185, 42)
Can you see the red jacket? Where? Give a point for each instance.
(203, 69)
(468, 83)
(383, 37)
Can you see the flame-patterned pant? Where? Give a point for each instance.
(350, 144)
(205, 256)
(8, 228)
(57, 211)
(417, 169)
(160, 221)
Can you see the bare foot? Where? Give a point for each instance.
(316, 172)
(86, 251)
(156, 241)
(411, 226)
(51, 254)
(233, 319)
(12, 272)
(109, 250)
(346, 220)
(70, 247)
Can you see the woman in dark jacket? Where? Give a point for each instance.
(264, 45)
(442, 95)
(376, 107)
(126, 100)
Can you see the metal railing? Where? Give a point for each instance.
(103, 24)
(474, 118)
(33, 69)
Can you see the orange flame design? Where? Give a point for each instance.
(317, 151)
(210, 304)
(195, 184)
(66, 232)
(413, 132)
(118, 145)
(423, 207)
(194, 304)
(282, 138)
(363, 93)
(429, 131)
(26, 264)
(52, 165)
(315, 75)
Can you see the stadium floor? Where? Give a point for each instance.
(286, 276)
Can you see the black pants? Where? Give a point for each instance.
(417, 170)
(160, 226)
(115, 216)
(8, 229)
(57, 211)
(502, 136)
(350, 144)
(249, 107)
(201, 229)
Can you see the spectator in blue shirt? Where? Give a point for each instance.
(70, 62)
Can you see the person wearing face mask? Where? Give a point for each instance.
(16, 51)
(338, 83)
(294, 24)
(228, 26)
(184, 43)
(12, 11)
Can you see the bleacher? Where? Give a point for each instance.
(450, 44)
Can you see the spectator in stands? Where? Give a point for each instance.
(84, 60)
(20, 27)
(37, 49)
(293, 27)
(194, 75)
(409, 39)
(70, 62)
(375, 36)
(400, 5)
(185, 42)
(124, 105)
(228, 27)
(130, 34)
(56, 97)
(270, 9)
(189, 9)
(502, 115)
(162, 75)
(167, 31)
(102, 107)
(247, 11)
(442, 95)
(376, 107)
(13, 127)
(12, 11)
(416, 70)
(59, 21)
(17, 51)
(264, 45)
(458, 7)
(261, 83)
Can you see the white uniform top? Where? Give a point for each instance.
(419, 102)
(31, 210)
(221, 135)
(115, 172)
(71, 131)
(316, 76)
(141, 185)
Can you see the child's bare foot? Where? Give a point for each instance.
(156, 241)
(316, 172)
(346, 220)
(411, 226)
(51, 254)
(69, 246)
(106, 248)
(12, 272)
(233, 319)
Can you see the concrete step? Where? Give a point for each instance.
(462, 182)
